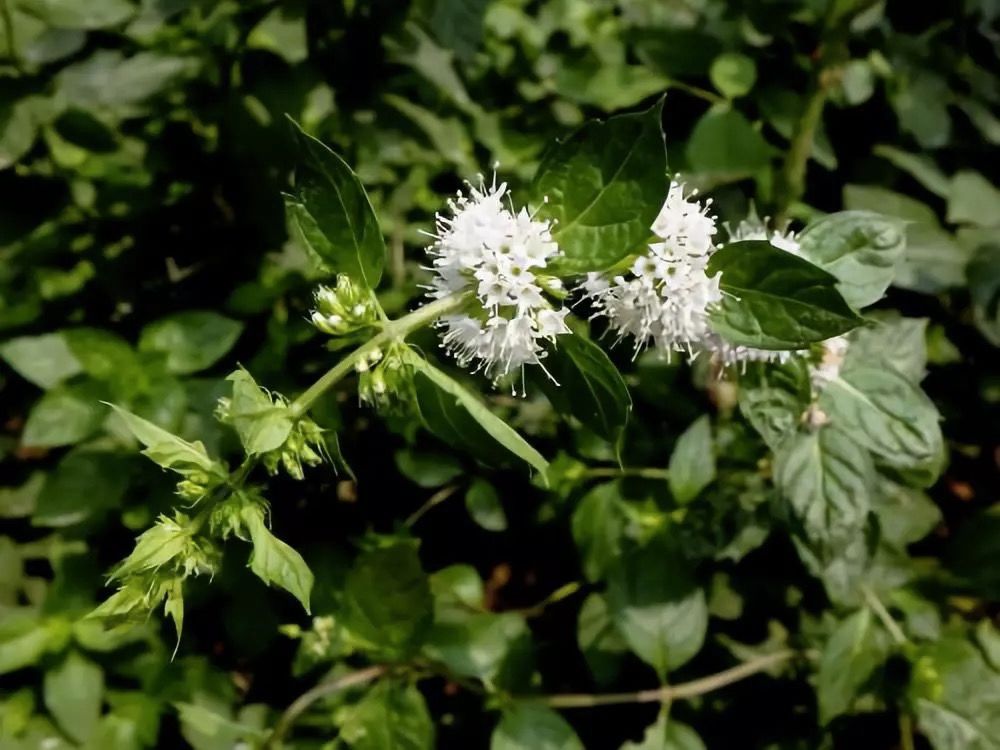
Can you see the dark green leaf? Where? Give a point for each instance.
(604, 185)
(984, 286)
(532, 726)
(725, 147)
(192, 340)
(484, 506)
(282, 32)
(602, 645)
(391, 716)
(774, 300)
(692, 464)
(598, 526)
(774, 397)
(855, 648)
(583, 382)
(334, 215)
(84, 484)
(427, 469)
(64, 415)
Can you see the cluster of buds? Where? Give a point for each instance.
(303, 447)
(383, 376)
(196, 485)
(345, 308)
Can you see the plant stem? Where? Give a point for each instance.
(669, 693)
(708, 96)
(628, 471)
(8, 25)
(436, 499)
(563, 592)
(394, 330)
(906, 732)
(323, 689)
(883, 614)
(792, 179)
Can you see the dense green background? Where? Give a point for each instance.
(143, 152)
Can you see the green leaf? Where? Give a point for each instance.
(73, 693)
(106, 357)
(460, 419)
(657, 606)
(725, 147)
(883, 411)
(45, 360)
(167, 450)
(667, 734)
(391, 716)
(972, 199)
(496, 648)
(853, 652)
(282, 32)
(18, 128)
(532, 726)
(192, 340)
(333, 213)
(20, 502)
(602, 645)
(275, 562)
(387, 600)
(894, 342)
(774, 300)
(118, 86)
(584, 383)
(214, 728)
(984, 287)
(483, 504)
(63, 416)
(774, 397)
(920, 167)
(905, 515)
(262, 424)
(598, 526)
(827, 479)
(70, 14)
(84, 484)
(427, 469)
(604, 184)
(692, 464)
(733, 74)
(24, 640)
(860, 248)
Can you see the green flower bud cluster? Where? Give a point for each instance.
(344, 309)
(196, 484)
(303, 447)
(384, 377)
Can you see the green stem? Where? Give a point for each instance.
(708, 96)
(561, 593)
(394, 330)
(436, 499)
(669, 693)
(792, 179)
(8, 24)
(883, 614)
(627, 471)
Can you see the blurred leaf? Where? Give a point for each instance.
(426, 469)
(920, 167)
(984, 287)
(602, 645)
(45, 360)
(725, 147)
(733, 74)
(19, 502)
(213, 728)
(391, 716)
(854, 650)
(775, 300)
(117, 85)
(667, 734)
(532, 726)
(692, 464)
(604, 184)
(84, 483)
(598, 526)
(484, 506)
(458, 25)
(63, 416)
(192, 340)
(973, 199)
(282, 32)
(74, 694)
(70, 14)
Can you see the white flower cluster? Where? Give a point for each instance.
(487, 248)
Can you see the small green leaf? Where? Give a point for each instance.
(204, 727)
(860, 248)
(20, 501)
(45, 360)
(532, 726)
(733, 74)
(69, 14)
(387, 600)
(167, 450)
(427, 469)
(391, 716)
(484, 506)
(657, 606)
(282, 32)
(84, 484)
(774, 300)
(667, 734)
(73, 693)
(883, 411)
(827, 479)
(602, 645)
(275, 562)
(459, 418)
(604, 184)
(972, 199)
(262, 424)
(334, 215)
(692, 464)
(854, 650)
(191, 341)
(725, 147)
(983, 274)
(63, 416)
(598, 527)
(584, 383)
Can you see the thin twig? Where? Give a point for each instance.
(669, 693)
(301, 704)
(883, 614)
(436, 499)
(906, 741)
(628, 471)
(563, 592)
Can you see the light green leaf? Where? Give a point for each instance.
(19, 502)
(333, 213)
(920, 167)
(984, 287)
(167, 450)
(73, 693)
(208, 729)
(598, 526)
(275, 562)
(774, 397)
(532, 726)
(604, 185)
(391, 716)
(63, 416)
(733, 74)
(657, 606)
(71, 14)
(18, 128)
(602, 645)
(725, 147)
(854, 650)
(192, 340)
(667, 734)
(775, 300)
(905, 515)
(24, 640)
(883, 411)
(972, 199)
(860, 248)
(483, 504)
(893, 341)
(120, 86)
(45, 360)
(283, 33)
(827, 480)
(387, 600)
(692, 464)
(459, 418)
(107, 357)
(584, 383)
(262, 424)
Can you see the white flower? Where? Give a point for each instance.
(831, 360)
(664, 298)
(752, 228)
(499, 255)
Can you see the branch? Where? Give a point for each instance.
(669, 693)
(301, 704)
